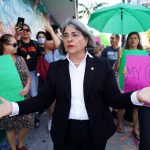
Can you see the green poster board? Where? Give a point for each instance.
(123, 62)
(10, 82)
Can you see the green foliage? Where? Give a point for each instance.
(88, 10)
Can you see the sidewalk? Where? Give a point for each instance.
(39, 138)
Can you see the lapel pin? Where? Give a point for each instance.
(92, 68)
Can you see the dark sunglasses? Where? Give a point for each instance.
(13, 44)
(27, 30)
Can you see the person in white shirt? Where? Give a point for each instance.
(84, 87)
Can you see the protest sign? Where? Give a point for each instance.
(138, 73)
(97, 39)
(123, 62)
(10, 82)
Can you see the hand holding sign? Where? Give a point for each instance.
(123, 61)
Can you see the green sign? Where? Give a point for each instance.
(10, 82)
(123, 62)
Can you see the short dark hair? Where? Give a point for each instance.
(3, 40)
(55, 29)
(40, 32)
(117, 36)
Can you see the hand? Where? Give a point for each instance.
(119, 53)
(148, 48)
(48, 28)
(18, 29)
(24, 91)
(17, 33)
(144, 95)
(124, 72)
(5, 107)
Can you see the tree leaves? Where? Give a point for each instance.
(87, 10)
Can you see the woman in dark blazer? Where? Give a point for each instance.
(84, 87)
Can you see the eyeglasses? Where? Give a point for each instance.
(13, 44)
(74, 35)
(26, 30)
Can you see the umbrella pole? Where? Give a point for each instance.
(123, 36)
(123, 41)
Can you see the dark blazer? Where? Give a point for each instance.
(100, 92)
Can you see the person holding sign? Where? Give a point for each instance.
(8, 46)
(30, 50)
(84, 87)
(133, 43)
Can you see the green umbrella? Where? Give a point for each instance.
(121, 19)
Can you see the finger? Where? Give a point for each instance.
(2, 99)
(23, 93)
(16, 27)
(19, 30)
(45, 27)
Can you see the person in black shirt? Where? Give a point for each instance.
(29, 50)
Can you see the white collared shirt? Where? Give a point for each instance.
(78, 110)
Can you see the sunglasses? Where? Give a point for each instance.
(13, 44)
(26, 30)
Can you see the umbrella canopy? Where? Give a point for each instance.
(121, 19)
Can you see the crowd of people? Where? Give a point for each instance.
(79, 92)
(25, 53)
